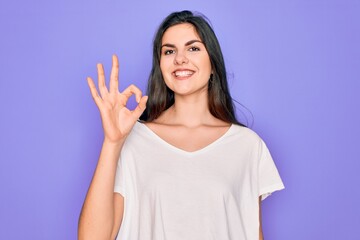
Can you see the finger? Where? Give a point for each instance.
(140, 108)
(130, 90)
(114, 76)
(93, 90)
(101, 80)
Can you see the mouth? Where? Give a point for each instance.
(183, 73)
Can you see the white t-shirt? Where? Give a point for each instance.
(209, 194)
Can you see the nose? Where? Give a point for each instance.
(180, 58)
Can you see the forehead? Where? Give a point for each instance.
(180, 33)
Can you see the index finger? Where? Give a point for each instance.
(132, 90)
(114, 76)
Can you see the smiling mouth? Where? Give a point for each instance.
(185, 73)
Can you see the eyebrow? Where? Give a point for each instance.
(186, 44)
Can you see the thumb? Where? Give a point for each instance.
(140, 108)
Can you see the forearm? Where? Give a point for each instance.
(261, 236)
(97, 216)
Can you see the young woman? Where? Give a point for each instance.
(187, 170)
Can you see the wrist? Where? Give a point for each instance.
(113, 144)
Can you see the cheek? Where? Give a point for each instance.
(164, 73)
(163, 65)
(165, 68)
(206, 65)
(204, 62)
(208, 62)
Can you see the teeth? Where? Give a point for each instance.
(183, 73)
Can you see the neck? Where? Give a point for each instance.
(189, 111)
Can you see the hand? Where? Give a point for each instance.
(117, 119)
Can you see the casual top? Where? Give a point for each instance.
(209, 194)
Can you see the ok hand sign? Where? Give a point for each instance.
(117, 119)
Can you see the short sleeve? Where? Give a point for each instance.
(120, 179)
(269, 178)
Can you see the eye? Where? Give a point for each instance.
(194, 49)
(168, 51)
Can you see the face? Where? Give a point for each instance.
(184, 61)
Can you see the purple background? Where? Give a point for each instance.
(294, 64)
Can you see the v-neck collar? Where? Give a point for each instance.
(151, 133)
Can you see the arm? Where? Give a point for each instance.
(261, 237)
(102, 211)
(97, 219)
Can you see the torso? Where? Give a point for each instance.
(206, 191)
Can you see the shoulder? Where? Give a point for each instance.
(246, 139)
(245, 133)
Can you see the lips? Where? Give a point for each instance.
(183, 73)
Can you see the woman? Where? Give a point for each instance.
(189, 169)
